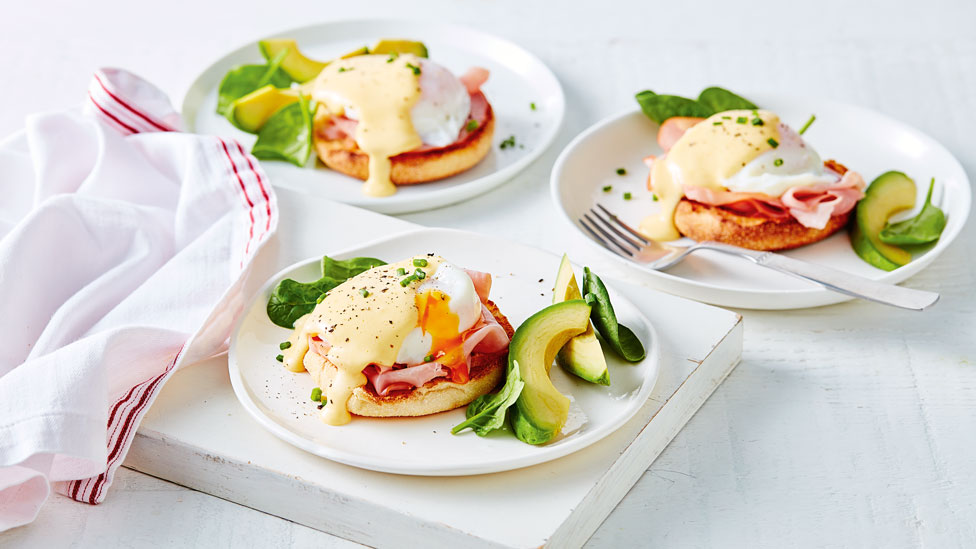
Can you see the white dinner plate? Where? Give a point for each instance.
(862, 140)
(518, 79)
(522, 284)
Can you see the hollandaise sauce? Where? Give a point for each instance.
(706, 155)
(365, 320)
(382, 89)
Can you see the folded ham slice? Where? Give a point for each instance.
(386, 379)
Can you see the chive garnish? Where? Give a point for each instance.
(344, 69)
(393, 57)
(726, 118)
(532, 106)
(414, 68)
(428, 358)
(757, 122)
(420, 274)
(401, 271)
(778, 162)
(364, 292)
(741, 120)
(717, 123)
(508, 143)
(607, 188)
(654, 197)
(772, 142)
(284, 345)
(420, 262)
(472, 125)
(408, 280)
(316, 395)
(280, 358)
(621, 171)
(807, 125)
(628, 196)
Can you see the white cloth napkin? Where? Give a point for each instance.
(124, 247)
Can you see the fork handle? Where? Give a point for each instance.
(847, 283)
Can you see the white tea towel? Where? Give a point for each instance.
(123, 243)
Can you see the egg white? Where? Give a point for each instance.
(801, 166)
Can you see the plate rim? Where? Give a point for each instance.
(654, 357)
(805, 298)
(443, 197)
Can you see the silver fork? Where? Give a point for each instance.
(621, 239)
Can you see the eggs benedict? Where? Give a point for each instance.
(407, 339)
(743, 177)
(399, 119)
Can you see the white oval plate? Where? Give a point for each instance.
(862, 140)
(517, 79)
(279, 399)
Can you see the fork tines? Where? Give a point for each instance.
(600, 226)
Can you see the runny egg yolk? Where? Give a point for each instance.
(437, 319)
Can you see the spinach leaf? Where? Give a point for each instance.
(925, 227)
(661, 107)
(290, 299)
(244, 79)
(710, 101)
(620, 338)
(487, 412)
(720, 99)
(287, 135)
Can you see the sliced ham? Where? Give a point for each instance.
(673, 128)
(389, 379)
(319, 346)
(474, 79)
(814, 205)
(482, 283)
(748, 204)
(487, 336)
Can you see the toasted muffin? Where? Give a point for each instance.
(437, 395)
(702, 222)
(412, 167)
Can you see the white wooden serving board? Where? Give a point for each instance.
(197, 434)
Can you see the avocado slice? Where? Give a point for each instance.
(890, 193)
(299, 67)
(250, 112)
(582, 355)
(541, 410)
(388, 45)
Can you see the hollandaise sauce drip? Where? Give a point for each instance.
(361, 329)
(382, 89)
(706, 155)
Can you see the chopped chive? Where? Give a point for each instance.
(807, 125)
(726, 118)
(472, 125)
(628, 196)
(316, 395)
(621, 171)
(420, 262)
(757, 122)
(280, 358)
(408, 280)
(428, 358)
(532, 106)
(654, 197)
(414, 68)
(772, 142)
(393, 57)
(508, 143)
(401, 271)
(607, 188)
(420, 274)
(344, 69)
(364, 292)
(741, 120)
(717, 123)
(778, 162)
(284, 345)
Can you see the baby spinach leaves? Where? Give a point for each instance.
(287, 135)
(710, 101)
(487, 412)
(925, 227)
(291, 300)
(619, 337)
(244, 79)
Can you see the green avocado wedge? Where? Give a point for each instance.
(250, 112)
(391, 46)
(582, 355)
(890, 193)
(541, 410)
(299, 67)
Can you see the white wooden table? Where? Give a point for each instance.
(849, 425)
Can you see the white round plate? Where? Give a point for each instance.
(522, 284)
(517, 80)
(862, 140)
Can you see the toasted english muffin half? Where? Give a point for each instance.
(412, 167)
(437, 395)
(703, 222)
